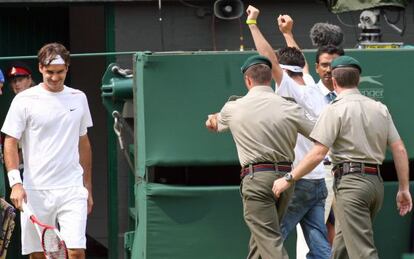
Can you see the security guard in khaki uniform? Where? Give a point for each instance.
(357, 130)
(264, 127)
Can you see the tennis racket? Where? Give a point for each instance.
(52, 243)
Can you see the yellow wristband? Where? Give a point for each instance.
(250, 21)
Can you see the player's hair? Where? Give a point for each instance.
(293, 57)
(261, 74)
(49, 52)
(346, 77)
(329, 49)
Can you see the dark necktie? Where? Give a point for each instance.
(331, 96)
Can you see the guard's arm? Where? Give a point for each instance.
(309, 162)
(211, 122)
(399, 153)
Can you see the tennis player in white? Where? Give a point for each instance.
(51, 121)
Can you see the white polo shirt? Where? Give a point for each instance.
(49, 125)
(312, 100)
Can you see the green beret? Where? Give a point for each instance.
(346, 61)
(254, 60)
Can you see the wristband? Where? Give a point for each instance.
(251, 21)
(14, 177)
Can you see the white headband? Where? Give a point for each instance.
(296, 69)
(57, 60)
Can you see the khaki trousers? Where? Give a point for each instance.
(262, 214)
(359, 198)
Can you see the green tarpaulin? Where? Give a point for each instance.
(340, 6)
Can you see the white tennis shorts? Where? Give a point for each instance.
(65, 208)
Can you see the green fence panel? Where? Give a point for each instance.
(176, 92)
(179, 222)
(391, 231)
(192, 222)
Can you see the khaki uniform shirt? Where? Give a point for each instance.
(264, 126)
(355, 128)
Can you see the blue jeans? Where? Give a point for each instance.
(307, 207)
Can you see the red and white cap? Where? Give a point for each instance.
(15, 71)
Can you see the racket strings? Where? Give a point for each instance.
(54, 246)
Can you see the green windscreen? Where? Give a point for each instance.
(176, 91)
(180, 222)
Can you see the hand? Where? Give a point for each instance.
(279, 186)
(252, 12)
(211, 122)
(18, 195)
(90, 202)
(404, 202)
(285, 23)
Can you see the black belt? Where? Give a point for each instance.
(266, 166)
(355, 167)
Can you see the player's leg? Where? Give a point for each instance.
(72, 215)
(302, 199)
(315, 232)
(76, 253)
(313, 222)
(37, 255)
(42, 205)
